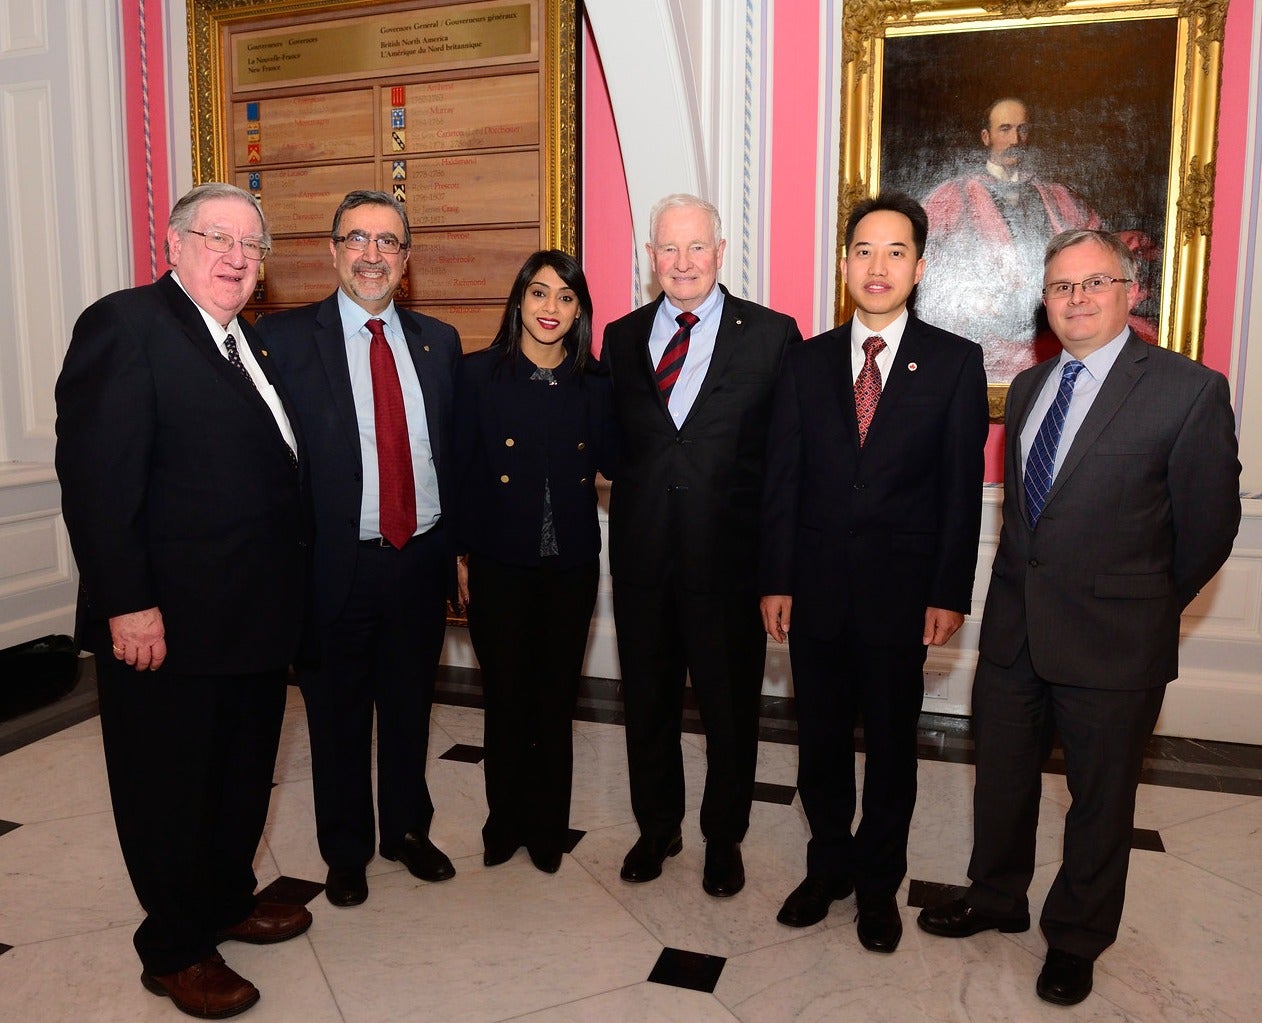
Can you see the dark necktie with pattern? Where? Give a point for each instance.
(1040, 465)
(394, 452)
(234, 357)
(867, 385)
(672, 360)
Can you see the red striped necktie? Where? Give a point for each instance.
(672, 360)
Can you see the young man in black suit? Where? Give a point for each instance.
(372, 385)
(182, 494)
(692, 377)
(871, 516)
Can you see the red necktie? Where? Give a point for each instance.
(672, 360)
(867, 385)
(394, 453)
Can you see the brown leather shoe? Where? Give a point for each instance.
(268, 923)
(207, 990)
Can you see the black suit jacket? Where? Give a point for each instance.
(869, 537)
(513, 436)
(1141, 515)
(308, 347)
(177, 488)
(687, 499)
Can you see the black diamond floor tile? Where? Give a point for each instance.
(1150, 841)
(4, 948)
(695, 971)
(464, 754)
(766, 792)
(7, 826)
(572, 838)
(932, 893)
(290, 891)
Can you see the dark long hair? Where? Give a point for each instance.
(579, 339)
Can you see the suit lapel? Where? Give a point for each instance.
(194, 326)
(425, 372)
(912, 351)
(843, 382)
(330, 342)
(726, 341)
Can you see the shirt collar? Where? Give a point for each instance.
(355, 317)
(707, 307)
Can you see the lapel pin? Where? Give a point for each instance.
(912, 367)
(264, 351)
(426, 347)
(738, 322)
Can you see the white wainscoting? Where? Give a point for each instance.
(1218, 694)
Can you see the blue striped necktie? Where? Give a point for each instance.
(1040, 466)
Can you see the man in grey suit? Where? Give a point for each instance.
(1121, 500)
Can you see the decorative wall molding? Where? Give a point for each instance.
(34, 256)
(23, 27)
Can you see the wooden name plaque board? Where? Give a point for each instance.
(464, 111)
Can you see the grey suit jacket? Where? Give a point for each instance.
(1141, 515)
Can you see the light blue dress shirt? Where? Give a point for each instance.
(358, 339)
(700, 349)
(1096, 367)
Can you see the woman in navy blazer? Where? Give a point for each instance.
(533, 427)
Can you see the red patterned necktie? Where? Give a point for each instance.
(394, 453)
(867, 385)
(672, 360)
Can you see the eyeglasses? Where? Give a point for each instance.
(1091, 286)
(357, 241)
(217, 241)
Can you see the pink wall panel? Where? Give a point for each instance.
(792, 229)
(607, 242)
(149, 193)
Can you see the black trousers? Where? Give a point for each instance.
(380, 653)
(529, 627)
(1103, 732)
(667, 634)
(836, 682)
(190, 761)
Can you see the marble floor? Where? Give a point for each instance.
(511, 943)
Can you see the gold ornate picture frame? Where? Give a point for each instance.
(207, 66)
(1123, 109)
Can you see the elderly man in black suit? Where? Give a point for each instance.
(182, 495)
(1121, 500)
(692, 376)
(870, 525)
(372, 385)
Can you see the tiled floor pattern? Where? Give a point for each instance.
(511, 943)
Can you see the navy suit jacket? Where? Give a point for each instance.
(513, 435)
(686, 499)
(177, 486)
(1141, 515)
(308, 347)
(867, 537)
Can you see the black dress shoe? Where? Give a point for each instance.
(1065, 979)
(880, 926)
(422, 858)
(957, 919)
(494, 855)
(808, 903)
(547, 860)
(724, 873)
(346, 886)
(644, 861)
